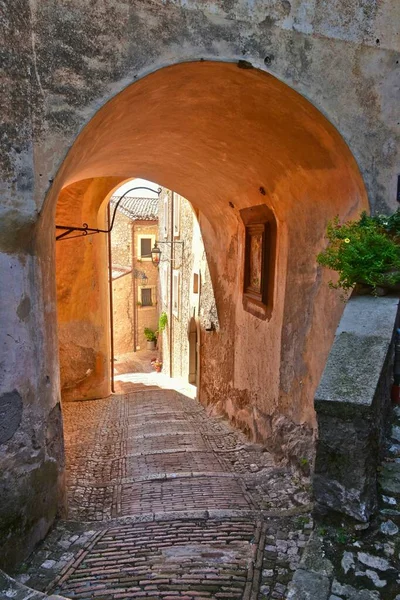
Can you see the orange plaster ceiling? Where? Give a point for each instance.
(217, 133)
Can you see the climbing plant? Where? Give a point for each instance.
(162, 321)
(365, 251)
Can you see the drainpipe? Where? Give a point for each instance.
(135, 308)
(198, 341)
(171, 335)
(110, 283)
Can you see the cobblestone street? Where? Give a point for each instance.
(167, 502)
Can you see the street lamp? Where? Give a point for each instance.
(156, 252)
(155, 255)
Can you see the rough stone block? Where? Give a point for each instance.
(352, 404)
(308, 586)
(10, 415)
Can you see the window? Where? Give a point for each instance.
(177, 214)
(144, 245)
(259, 260)
(146, 297)
(175, 293)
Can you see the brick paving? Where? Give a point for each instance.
(172, 559)
(166, 502)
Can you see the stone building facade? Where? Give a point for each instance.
(186, 292)
(135, 279)
(234, 104)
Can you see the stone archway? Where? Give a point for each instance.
(227, 138)
(232, 136)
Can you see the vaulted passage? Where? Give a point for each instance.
(245, 150)
(228, 139)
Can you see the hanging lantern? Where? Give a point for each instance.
(155, 255)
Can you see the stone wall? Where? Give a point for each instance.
(196, 304)
(121, 240)
(184, 262)
(352, 404)
(123, 285)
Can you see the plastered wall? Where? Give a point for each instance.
(82, 293)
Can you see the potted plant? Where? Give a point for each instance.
(156, 364)
(151, 338)
(364, 252)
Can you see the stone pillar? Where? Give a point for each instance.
(31, 437)
(352, 405)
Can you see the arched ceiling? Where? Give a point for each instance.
(217, 133)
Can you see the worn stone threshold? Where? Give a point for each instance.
(201, 515)
(161, 477)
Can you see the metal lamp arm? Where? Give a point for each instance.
(85, 229)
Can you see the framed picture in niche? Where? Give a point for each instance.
(259, 260)
(255, 260)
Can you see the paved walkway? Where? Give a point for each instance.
(168, 503)
(135, 362)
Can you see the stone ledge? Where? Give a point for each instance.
(352, 404)
(361, 344)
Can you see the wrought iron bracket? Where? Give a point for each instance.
(86, 230)
(171, 244)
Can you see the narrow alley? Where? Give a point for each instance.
(167, 502)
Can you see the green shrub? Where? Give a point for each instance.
(150, 335)
(365, 251)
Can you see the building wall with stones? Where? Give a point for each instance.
(123, 283)
(196, 311)
(314, 123)
(146, 316)
(130, 316)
